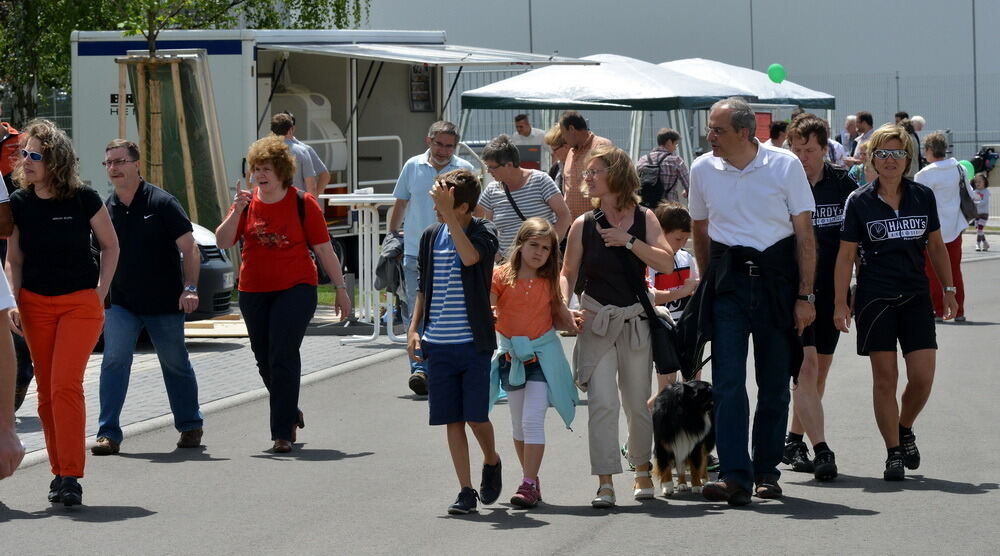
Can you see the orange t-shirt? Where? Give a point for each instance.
(275, 247)
(524, 309)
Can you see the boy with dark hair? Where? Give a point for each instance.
(453, 309)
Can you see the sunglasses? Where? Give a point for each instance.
(31, 154)
(898, 154)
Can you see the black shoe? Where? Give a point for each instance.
(911, 455)
(70, 492)
(418, 383)
(722, 491)
(489, 489)
(54, 490)
(894, 467)
(826, 466)
(465, 503)
(190, 439)
(797, 455)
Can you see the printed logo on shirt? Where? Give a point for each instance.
(907, 227)
(828, 215)
(59, 218)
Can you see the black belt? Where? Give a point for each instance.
(750, 269)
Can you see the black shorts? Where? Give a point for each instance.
(882, 320)
(822, 334)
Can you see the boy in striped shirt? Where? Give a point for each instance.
(452, 309)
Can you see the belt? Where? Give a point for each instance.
(751, 269)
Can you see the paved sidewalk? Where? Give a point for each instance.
(225, 367)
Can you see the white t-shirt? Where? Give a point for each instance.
(942, 177)
(751, 207)
(536, 137)
(532, 199)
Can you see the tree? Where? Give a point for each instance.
(34, 35)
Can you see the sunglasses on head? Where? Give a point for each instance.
(898, 154)
(31, 154)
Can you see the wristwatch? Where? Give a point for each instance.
(950, 289)
(630, 243)
(811, 298)
(191, 289)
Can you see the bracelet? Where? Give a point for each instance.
(950, 289)
(340, 286)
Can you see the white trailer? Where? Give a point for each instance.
(362, 99)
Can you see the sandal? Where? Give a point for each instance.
(768, 490)
(643, 493)
(602, 501)
(300, 424)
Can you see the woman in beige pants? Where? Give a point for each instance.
(613, 352)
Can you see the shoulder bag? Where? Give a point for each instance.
(966, 203)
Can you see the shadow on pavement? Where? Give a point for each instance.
(27, 424)
(912, 482)
(412, 397)
(805, 509)
(179, 455)
(305, 454)
(212, 347)
(969, 323)
(89, 514)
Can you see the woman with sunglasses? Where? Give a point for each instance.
(613, 354)
(60, 289)
(888, 226)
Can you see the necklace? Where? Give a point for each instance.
(621, 219)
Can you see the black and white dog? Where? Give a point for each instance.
(683, 434)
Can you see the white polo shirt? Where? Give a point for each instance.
(751, 207)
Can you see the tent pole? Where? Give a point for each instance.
(463, 122)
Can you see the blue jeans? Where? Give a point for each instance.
(121, 330)
(738, 315)
(411, 277)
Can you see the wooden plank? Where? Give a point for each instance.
(175, 74)
(122, 106)
(155, 131)
(141, 106)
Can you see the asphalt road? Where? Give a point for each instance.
(372, 477)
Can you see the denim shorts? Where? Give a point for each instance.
(532, 371)
(458, 383)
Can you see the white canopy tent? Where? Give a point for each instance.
(618, 83)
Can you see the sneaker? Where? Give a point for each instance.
(190, 439)
(418, 383)
(465, 503)
(894, 467)
(491, 484)
(105, 447)
(960, 319)
(826, 466)
(911, 455)
(797, 455)
(70, 492)
(19, 393)
(713, 464)
(527, 496)
(54, 489)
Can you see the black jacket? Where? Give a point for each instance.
(476, 279)
(780, 272)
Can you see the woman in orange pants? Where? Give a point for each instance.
(60, 289)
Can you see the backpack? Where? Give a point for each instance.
(651, 189)
(300, 198)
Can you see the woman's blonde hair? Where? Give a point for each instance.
(272, 149)
(554, 138)
(58, 156)
(623, 180)
(533, 228)
(887, 133)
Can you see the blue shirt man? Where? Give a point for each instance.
(413, 212)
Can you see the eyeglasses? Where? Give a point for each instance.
(31, 154)
(715, 130)
(898, 154)
(591, 173)
(441, 145)
(116, 162)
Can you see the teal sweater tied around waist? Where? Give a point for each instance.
(562, 391)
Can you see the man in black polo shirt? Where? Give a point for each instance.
(807, 136)
(149, 291)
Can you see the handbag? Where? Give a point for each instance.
(966, 203)
(662, 332)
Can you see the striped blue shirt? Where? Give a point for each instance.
(448, 321)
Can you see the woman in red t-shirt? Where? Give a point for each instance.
(278, 277)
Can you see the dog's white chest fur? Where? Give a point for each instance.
(685, 441)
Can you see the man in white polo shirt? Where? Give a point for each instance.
(751, 207)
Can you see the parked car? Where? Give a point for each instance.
(215, 279)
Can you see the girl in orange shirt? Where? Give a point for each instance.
(525, 295)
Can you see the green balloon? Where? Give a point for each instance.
(970, 170)
(776, 72)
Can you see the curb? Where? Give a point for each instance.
(215, 406)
